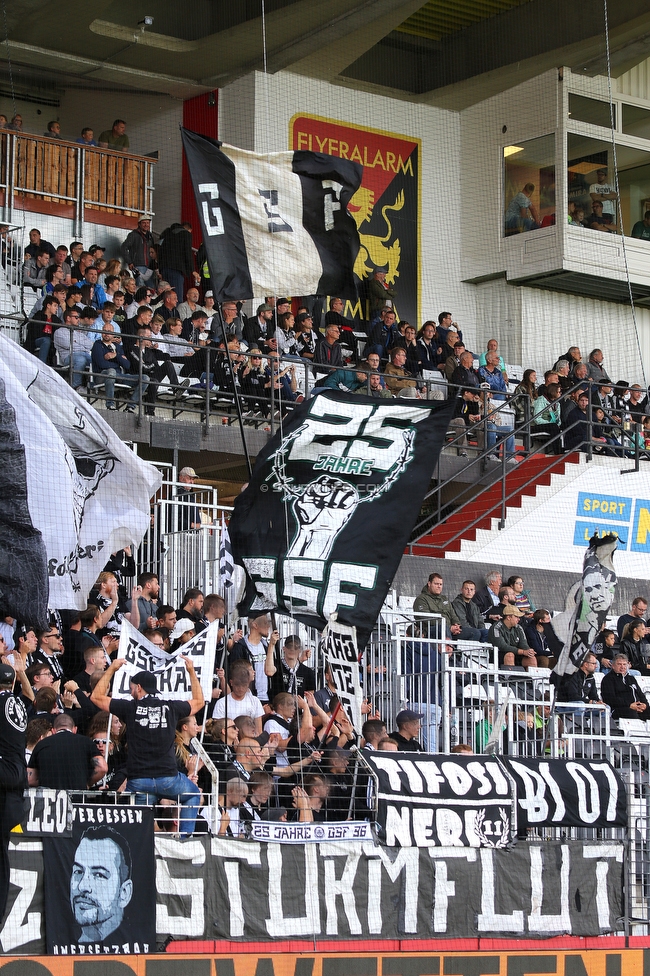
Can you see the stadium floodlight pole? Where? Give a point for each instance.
(249, 466)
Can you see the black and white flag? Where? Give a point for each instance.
(342, 657)
(172, 677)
(226, 564)
(85, 491)
(594, 599)
(323, 523)
(274, 223)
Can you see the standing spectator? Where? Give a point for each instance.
(16, 124)
(149, 588)
(176, 258)
(13, 777)
(286, 671)
(241, 700)
(78, 344)
(37, 244)
(135, 250)
(380, 294)
(115, 137)
(258, 649)
(508, 636)
(408, 730)
(64, 760)
(41, 327)
(192, 608)
(35, 270)
(150, 731)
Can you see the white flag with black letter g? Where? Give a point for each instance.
(87, 493)
(276, 223)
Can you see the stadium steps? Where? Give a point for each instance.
(532, 475)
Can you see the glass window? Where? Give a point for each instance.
(593, 202)
(636, 121)
(529, 185)
(582, 109)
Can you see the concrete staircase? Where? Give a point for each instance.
(527, 486)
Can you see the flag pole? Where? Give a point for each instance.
(235, 393)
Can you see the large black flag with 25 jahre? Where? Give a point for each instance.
(324, 521)
(274, 223)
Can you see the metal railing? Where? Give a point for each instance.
(37, 173)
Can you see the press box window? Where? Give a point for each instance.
(591, 180)
(529, 185)
(591, 110)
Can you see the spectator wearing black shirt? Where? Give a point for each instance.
(638, 612)
(287, 672)
(150, 730)
(13, 725)
(621, 692)
(49, 651)
(408, 729)
(95, 659)
(64, 760)
(192, 608)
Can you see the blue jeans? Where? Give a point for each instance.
(176, 280)
(129, 379)
(149, 789)
(493, 432)
(80, 362)
(43, 344)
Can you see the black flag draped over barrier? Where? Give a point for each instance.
(323, 523)
(593, 601)
(276, 223)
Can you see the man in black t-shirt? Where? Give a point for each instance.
(13, 778)
(150, 730)
(287, 673)
(64, 760)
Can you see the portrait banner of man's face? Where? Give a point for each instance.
(100, 895)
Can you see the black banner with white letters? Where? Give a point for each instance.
(323, 523)
(99, 884)
(477, 801)
(215, 888)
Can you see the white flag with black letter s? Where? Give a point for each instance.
(87, 493)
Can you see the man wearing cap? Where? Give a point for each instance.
(151, 728)
(408, 730)
(135, 249)
(182, 632)
(13, 775)
(508, 636)
(257, 330)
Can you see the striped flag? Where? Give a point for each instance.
(226, 562)
(276, 223)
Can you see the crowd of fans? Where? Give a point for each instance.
(132, 327)
(273, 727)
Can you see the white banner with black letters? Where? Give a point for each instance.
(274, 223)
(171, 674)
(216, 888)
(343, 659)
(478, 801)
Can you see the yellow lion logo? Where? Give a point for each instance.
(373, 252)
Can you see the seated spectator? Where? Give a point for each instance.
(406, 339)
(493, 346)
(53, 130)
(115, 138)
(396, 376)
(621, 692)
(16, 124)
(601, 221)
(335, 316)
(578, 688)
(87, 138)
(576, 427)
(506, 599)
(547, 418)
(605, 647)
(408, 731)
(508, 636)
(65, 761)
(487, 598)
(328, 351)
(453, 362)
(595, 369)
(283, 381)
(522, 596)
(524, 410)
(3, 121)
(521, 213)
(342, 379)
(260, 789)
(541, 638)
(98, 298)
(285, 336)
(190, 305)
(638, 611)
(41, 329)
(76, 342)
(429, 350)
(635, 646)
(383, 333)
(108, 359)
(35, 270)
(306, 337)
(377, 390)
(469, 615)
